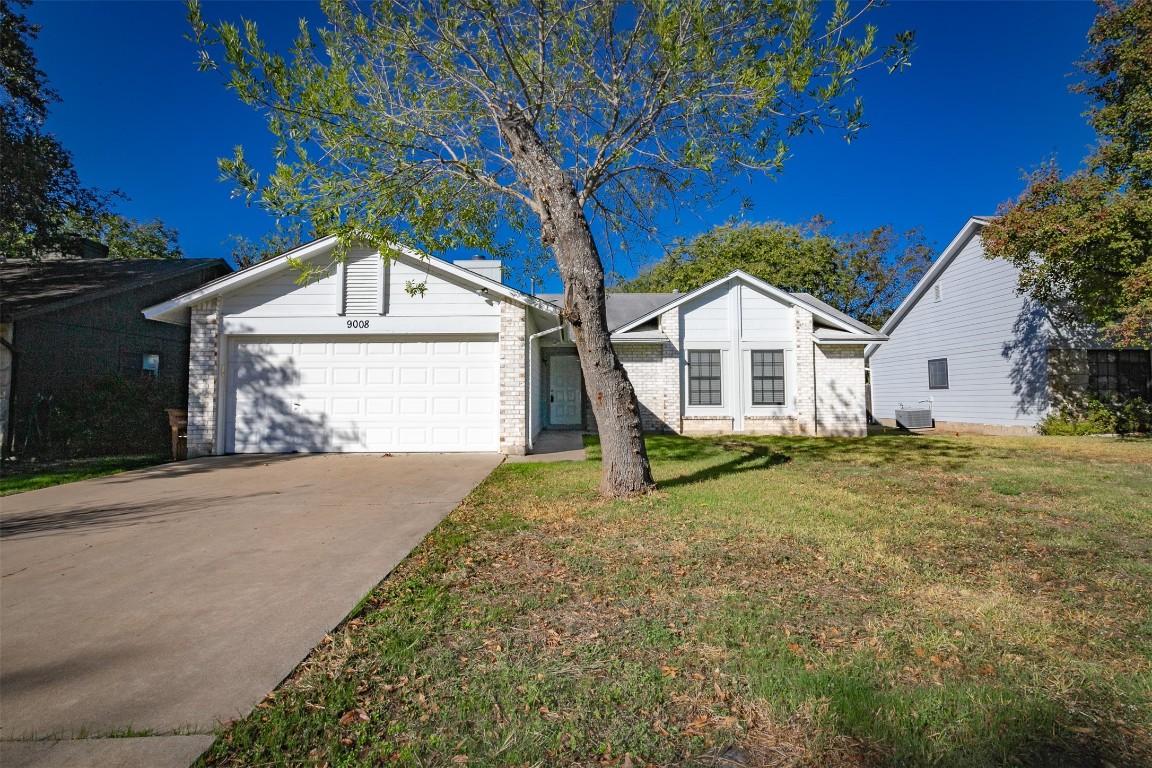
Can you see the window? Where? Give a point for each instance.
(938, 373)
(704, 377)
(1119, 372)
(768, 377)
(151, 365)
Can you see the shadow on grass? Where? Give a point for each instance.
(754, 457)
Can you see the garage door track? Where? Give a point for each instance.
(167, 600)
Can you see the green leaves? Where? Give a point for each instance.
(389, 117)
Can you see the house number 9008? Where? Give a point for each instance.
(357, 323)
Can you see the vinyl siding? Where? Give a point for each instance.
(993, 339)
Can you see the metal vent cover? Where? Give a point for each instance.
(920, 418)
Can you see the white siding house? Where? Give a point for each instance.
(359, 361)
(981, 356)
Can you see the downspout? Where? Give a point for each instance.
(815, 396)
(9, 434)
(532, 412)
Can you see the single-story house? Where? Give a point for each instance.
(966, 345)
(358, 361)
(67, 322)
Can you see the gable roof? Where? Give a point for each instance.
(31, 288)
(946, 257)
(836, 319)
(172, 311)
(621, 308)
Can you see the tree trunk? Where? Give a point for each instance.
(564, 228)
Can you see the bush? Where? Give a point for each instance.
(1098, 416)
(111, 416)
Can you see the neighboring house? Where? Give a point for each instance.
(65, 322)
(355, 361)
(983, 357)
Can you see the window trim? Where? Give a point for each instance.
(719, 377)
(938, 385)
(782, 378)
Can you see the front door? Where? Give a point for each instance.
(564, 391)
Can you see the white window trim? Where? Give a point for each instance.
(725, 369)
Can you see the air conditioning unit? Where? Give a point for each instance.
(919, 418)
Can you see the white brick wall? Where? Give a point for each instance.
(202, 376)
(841, 409)
(513, 380)
(805, 423)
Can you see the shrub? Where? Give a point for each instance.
(1097, 416)
(112, 416)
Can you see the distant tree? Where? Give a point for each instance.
(127, 238)
(864, 275)
(1083, 242)
(445, 123)
(39, 188)
(285, 237)
(43, 205)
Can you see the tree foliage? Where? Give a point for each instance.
(127, 238)
(864, 275)
(38, 185)
(280, 240)
(494, 124)
(1083, 242)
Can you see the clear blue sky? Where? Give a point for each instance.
(987, 96)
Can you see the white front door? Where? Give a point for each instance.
(564, 391)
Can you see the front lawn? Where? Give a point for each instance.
(895, 601)
(31, 475)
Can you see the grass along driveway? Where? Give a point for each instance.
(32, 475)
(894, 601)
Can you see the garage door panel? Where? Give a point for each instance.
(375, 395)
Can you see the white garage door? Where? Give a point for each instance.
(372, 394)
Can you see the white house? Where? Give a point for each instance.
(982, 357)
(355, 361)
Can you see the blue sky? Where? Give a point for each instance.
(986, 96)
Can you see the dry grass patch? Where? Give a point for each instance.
(895, 601)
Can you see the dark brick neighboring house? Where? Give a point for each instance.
(66, 322)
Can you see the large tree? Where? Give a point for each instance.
(444, 123)
(1083, 242)
(864, 275)
(38, 185)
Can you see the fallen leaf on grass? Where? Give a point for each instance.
(353, 716)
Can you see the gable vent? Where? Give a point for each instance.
(364, 283)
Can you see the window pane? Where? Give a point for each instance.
(704, 385)
(938, 374)
(768, 377)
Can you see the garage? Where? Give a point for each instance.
(362, 394)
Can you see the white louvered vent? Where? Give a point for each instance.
(364, 283)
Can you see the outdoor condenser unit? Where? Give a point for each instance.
(914, 418)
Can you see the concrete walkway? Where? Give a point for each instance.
(170, 599)
(555, 446)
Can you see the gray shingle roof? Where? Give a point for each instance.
(622, 308)
(30, 288)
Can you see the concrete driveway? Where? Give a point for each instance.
(169, 599)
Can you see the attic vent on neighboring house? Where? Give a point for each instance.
(364, 283)
(937, 293)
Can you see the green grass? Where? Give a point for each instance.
(29, 476)
(895, 601)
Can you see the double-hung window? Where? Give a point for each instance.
(1119, 371)
(704, 383)
(768, 377)
(938, 373)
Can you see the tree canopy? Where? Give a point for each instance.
(504, 125)
(1083, 242)
(864, 275)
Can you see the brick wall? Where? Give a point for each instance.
(202, 377)
(805, 413)
(513, 380)
(645, 366)
(840, 408)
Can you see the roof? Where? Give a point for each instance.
(946, 257)
(621, 308)
(29, 288)
(174, 311)
(833, 317)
